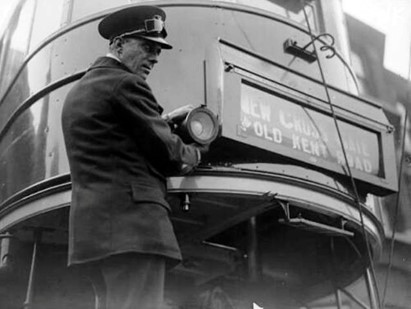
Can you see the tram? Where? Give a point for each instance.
(285, 208)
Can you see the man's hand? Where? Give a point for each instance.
(179, 114)
(201, 150)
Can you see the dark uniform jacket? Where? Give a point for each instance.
(119, 151)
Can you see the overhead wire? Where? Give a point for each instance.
(348, 168)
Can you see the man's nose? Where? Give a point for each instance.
(154, 58)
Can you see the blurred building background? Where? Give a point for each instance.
(393, 91)
(379, 34)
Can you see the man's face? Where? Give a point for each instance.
(140, 55)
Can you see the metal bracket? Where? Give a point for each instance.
(291, 47)
(312, 226)
(286, 207)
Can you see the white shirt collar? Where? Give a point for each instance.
(110, 55)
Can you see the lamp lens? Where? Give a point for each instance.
(197, 127)
(202, 126)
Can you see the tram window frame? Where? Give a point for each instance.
(29, 25)
(279, 7)
(48, 18)
(81, 9)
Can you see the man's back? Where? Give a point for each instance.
(114, 145)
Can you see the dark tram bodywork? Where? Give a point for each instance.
(271, 217)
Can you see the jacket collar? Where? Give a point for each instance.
(110, 55)
(109, 62)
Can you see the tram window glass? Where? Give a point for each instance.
(290, 9)
(15, 42)
(47, 19)
(7, 8)
(83, 8)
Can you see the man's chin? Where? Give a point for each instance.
(142, 75)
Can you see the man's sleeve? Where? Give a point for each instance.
(139, 110)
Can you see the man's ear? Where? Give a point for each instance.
(117, 43)
(116, 46)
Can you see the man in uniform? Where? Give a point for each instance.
(120, 151)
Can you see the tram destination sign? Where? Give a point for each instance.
(274, 123)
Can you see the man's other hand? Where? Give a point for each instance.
(202, 148)
(179, 114)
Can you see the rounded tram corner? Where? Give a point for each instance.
(258, 238)
(254, 235)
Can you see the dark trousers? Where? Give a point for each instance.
(128, 281)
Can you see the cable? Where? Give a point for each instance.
(354, 186)
(394, 225)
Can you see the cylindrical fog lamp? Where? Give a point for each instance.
(6, 257)
(200, 126)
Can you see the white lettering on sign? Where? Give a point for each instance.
(279, 121)
(270, 134)
(356, 147)
(311, 147)
(257, 109)
(299, 125)
(354, 161)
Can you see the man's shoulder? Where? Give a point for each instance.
(133, 82)
(105, 71)
(108, 62)
(109, 74)
(110, 66)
